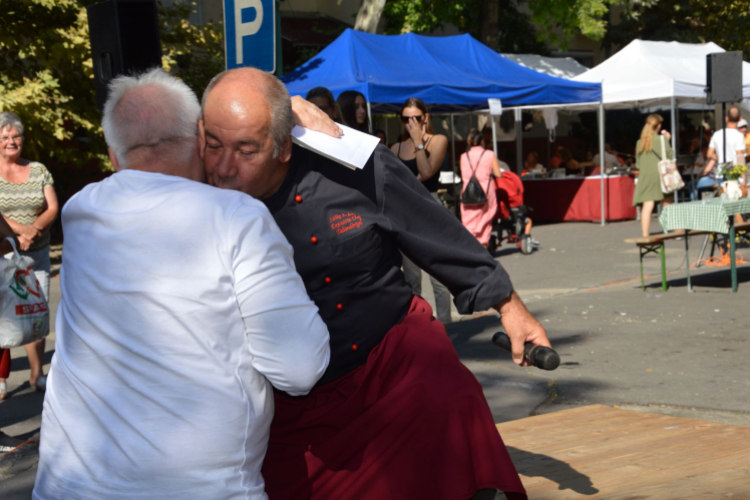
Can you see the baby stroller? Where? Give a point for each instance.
(512, 217)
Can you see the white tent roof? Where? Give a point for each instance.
(649, 72)
(561, 67)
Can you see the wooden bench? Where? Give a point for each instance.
(655, 244)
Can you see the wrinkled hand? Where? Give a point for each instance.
(24, 243)
(30, 233)
(415, 130)
(521, 327)
(308, 115)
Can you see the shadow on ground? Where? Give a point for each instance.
(531, 464)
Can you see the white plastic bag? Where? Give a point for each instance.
(671, 180)
(24, 314)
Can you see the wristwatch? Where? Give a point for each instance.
(420, 146)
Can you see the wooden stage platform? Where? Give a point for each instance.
(606, 453)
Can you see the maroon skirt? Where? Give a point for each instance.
(411, 423)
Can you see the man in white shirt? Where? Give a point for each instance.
(181, 310)
(735, 152)
(610, 160)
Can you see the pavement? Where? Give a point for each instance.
(674, 352)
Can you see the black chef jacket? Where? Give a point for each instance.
(347, 227)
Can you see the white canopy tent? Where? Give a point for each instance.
(651, 73)
(645, 74)
(561, 67)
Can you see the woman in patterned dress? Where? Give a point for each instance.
(29, 205)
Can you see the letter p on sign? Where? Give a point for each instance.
(250, 34)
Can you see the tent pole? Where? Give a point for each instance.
(494, 135)
(601, 161)
(519, 142)
(457, 208)
(369, 115)
(675, 131)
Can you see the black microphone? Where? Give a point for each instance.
(539, 356)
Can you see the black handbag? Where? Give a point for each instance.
(473, 194)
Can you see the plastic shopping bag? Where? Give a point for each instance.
(24, 314)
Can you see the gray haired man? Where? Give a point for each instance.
(181, 311)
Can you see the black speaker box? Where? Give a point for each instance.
(124, 40)
(724, 77)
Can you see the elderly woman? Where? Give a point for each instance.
(29, 205)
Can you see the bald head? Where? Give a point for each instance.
(242, 91)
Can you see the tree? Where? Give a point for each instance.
(724, 22)
(47, 76)
(368, 16)
(500, 24)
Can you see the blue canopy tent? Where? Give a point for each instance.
(454, 73)
(449, 73)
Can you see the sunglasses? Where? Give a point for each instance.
(405, 119)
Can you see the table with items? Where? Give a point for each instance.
(579, 198)
(714, 215)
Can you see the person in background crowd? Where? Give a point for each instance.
(710, 177)
(181, 312)
(423, 152)
(532, 165)
(381, 134)
(28, 204)
(323, 98)
(610, 159)
(742, 127)
(396, 415)
(556, 159)
(571, 166)
(647, 156)
(482, 164)
(353, 109)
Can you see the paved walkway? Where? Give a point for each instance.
(671, 352)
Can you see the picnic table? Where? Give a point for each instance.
(713, 215)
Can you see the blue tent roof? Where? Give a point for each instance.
(454, 72)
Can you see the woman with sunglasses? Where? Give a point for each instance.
(423, 152)
(353, 109)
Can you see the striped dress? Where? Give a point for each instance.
(24, 202)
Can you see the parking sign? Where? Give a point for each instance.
(250, 34)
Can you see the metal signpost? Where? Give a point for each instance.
(250, 34)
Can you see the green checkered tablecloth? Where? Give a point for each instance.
(703, 215)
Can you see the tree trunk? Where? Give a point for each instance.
(368, 16)
(488, 28)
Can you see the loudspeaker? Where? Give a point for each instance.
(724, 77)
(124, 38)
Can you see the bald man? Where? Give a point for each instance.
(396, 415)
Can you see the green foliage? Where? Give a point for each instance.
(193, 53)
(47, 73)
(560, 20)
(47, 78)
(422, 16)
(725, 22)
(516, 32)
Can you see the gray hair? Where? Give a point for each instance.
(8, 119)
(150, 110)
(277, 98)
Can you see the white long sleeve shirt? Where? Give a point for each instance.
(180, 308)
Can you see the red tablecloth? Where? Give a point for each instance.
(579, 199)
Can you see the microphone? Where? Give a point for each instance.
(539, 356)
